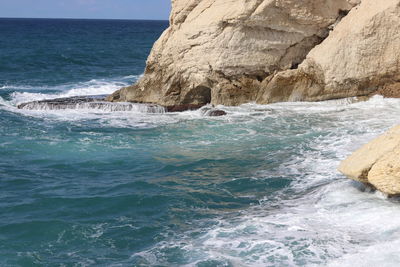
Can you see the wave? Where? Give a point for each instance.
(94, 106)
(322, 219)
(92, 87)
(345, 109)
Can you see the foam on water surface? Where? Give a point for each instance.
(322, 219)
(93, 87)
(319, 218)
(332, 222)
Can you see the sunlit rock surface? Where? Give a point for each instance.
(377, 163)
(228, 51)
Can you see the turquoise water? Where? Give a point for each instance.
(258, 187)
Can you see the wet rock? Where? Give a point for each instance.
(216, 113)
(61, 103)
(185, 107)
(212, 112)
(90, 102)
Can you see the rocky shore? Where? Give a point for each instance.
(232, 52)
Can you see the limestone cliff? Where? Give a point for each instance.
(233, 51)
(360, 56)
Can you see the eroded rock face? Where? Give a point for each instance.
(232, 52)
(385, 174)
(377, 163)
(359, 57)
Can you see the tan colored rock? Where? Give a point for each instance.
(224, 51)
(385, 173)
(358, 165)
(360, 56)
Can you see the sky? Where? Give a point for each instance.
(105, 9)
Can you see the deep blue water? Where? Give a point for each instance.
(258, 187)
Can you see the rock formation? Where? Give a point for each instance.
(377, 163)
(233, 51)
(360, 56)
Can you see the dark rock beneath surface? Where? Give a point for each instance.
(61, 103)
(216, 113)
(90, 102)
(99, 102)
(179, 108)
(212, 112)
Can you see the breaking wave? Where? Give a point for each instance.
(23, 94)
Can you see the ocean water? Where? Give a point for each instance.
(257, 187)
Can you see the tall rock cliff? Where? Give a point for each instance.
(361, 55)
(236, 51)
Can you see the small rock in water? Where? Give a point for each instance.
(212, 112)
(216, 113)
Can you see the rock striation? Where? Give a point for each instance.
(360, 56)
(233, 51)
(377, 163)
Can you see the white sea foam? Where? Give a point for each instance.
(330, 222)
(3, 102)
(26, 93)
(94, 87)
(333, 223)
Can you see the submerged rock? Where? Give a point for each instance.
(213, 112)
(89, 102)
(377, 163)
(216, 113)
(179, 108)
(61, 103)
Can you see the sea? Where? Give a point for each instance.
(93, 187)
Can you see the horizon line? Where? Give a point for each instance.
(85, 18)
